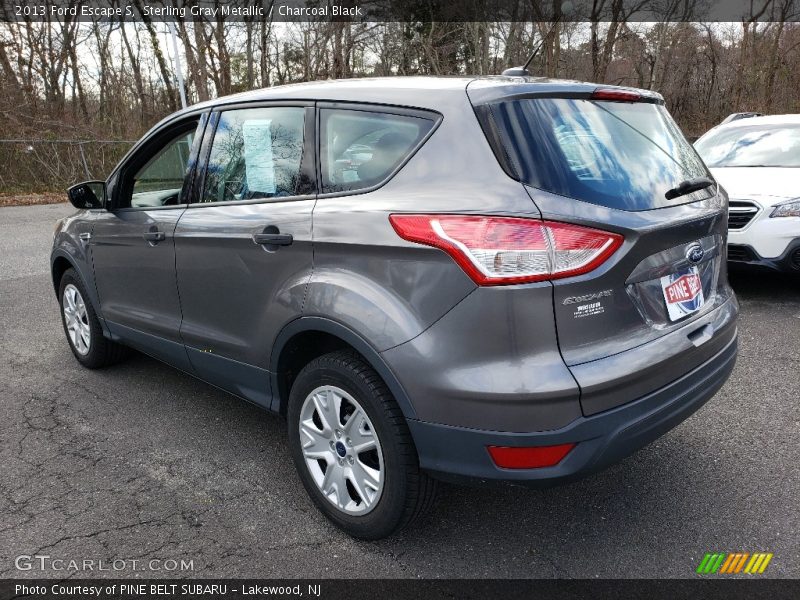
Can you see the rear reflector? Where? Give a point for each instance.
(530, 457)
(615, 95)
(508, 250)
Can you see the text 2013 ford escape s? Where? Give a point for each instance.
(505, 278)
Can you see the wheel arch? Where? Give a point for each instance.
(59, 266)
(292, 350)
(60, 263)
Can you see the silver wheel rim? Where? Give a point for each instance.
(341, 450)
(77, 320)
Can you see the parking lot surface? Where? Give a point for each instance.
(140, 462)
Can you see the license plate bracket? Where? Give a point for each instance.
(683, 293)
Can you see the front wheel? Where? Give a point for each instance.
(82, 326)
(352, 448)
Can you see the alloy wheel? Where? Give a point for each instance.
(341, 450)
(77, 320)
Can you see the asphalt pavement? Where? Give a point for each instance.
(140, 462)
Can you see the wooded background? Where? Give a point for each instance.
(107, 83)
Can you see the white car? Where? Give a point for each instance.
(757, 160)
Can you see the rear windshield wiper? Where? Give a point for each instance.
(688, 186)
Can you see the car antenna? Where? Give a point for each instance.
(523, 70)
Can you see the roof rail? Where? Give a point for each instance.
(740, 115)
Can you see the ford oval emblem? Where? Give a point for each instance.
(695, 253)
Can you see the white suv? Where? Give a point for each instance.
(757, 160)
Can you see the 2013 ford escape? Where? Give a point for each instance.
(503, 278)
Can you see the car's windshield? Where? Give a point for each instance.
(752, 146)
(617, 154)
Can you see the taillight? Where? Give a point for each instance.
(507, 250)
(615, 95)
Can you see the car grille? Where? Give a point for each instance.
(740, 213)
(741, 253)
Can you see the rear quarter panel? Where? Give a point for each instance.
(382, 287)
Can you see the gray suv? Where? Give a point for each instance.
(504, 279)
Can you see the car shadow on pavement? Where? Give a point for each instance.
(615, 507)
(751, 284)
(226, 464)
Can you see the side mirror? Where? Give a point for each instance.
(89, 194)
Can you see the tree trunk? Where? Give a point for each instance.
(137, 73)
(224, 58)
(266, 29)
(202, 66)
(249, 54)
(749, 28)
(774, 61)
(76, 77)
(102, 50)
(162, 63)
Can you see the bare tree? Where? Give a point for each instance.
(109, 80)
(166, 77)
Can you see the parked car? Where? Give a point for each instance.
(757, 160)
(522, 283)
(728, 119)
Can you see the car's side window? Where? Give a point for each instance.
(256, 153)
(160, 175)
(360, 149)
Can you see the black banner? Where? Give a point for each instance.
(420, 11)
(372, 589)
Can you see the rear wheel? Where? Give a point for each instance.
(352, 448)
(82, 327)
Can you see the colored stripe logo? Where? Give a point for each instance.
(734, 562)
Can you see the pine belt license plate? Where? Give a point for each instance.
(683, 293)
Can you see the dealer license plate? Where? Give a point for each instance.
(683, 293)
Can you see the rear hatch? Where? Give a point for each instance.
(611, 159)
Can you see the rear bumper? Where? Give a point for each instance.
(460, 454)
(744, 255)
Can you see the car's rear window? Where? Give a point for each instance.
(617, 154)
(752, 146)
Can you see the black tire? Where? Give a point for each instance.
(407, 491)
(102, 352)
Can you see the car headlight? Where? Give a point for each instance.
(787, 209)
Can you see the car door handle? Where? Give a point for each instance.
(154, 236)
(273, 239)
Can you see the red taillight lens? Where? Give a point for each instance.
(507, 250)
(529, 457)
(615, 95)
